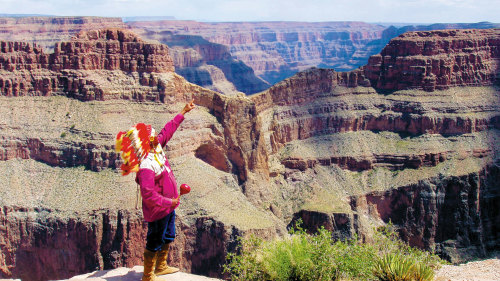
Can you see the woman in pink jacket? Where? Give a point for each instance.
(142, 152)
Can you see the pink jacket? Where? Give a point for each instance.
(158, 185)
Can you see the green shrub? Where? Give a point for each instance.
(63, 134)
(396, 267)
(296, 257)
(301, 256)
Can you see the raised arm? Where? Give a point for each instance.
(168, 131)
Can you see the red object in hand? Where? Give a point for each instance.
(185, 189)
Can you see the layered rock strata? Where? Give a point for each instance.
(330, 148)
(278, 50)
(46, 31)
(207, 64)
(437, 60)
(58, 157)
(429, 152)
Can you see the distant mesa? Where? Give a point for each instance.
(148, 18)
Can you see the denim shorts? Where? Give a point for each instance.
(160, 232)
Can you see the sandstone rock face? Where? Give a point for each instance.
(430, 152)
(424, 210)
(38, 244)
(207, 64)
(277, 50)
(110, 49)
(201, 62)
(72, 68)
(234, 57)
(316, 125)
(69, 126)
(330, 148)
(437, 60)
(45, 31)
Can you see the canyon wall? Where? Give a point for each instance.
(337, 149)
(207, 64)
(437, 60)
(426, 150)
(46, 31)
(424, 211)
(278, 50)
(28, 71)
(57, 141)
(231, 58)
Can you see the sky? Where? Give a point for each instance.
(405, 11)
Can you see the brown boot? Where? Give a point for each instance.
(149, 265)
(161, 262)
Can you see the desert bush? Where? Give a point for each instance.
(302, 256)
(396, 267)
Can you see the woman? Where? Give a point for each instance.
(142, 152)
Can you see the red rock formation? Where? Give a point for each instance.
(244, 139)
(424, 213)
(111, 49)
(393, 162)
(277, 50)
(207, 64)
(321, 102)
(41, 244)
(437, 60)
(45, 31)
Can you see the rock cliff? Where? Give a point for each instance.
(437, 60)
(201, 62)
(278, 50)
(65, 135)
(72, 67)
(427, 154)
(45, 31)
(235, 57)
(331, 148)
(207, 64)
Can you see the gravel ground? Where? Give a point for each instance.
(487, 270)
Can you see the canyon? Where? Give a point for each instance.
(278, 50)
(410, 138)
(236, 57)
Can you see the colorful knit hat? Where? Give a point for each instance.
(133, 146)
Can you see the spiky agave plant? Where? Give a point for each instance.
(394, 267)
